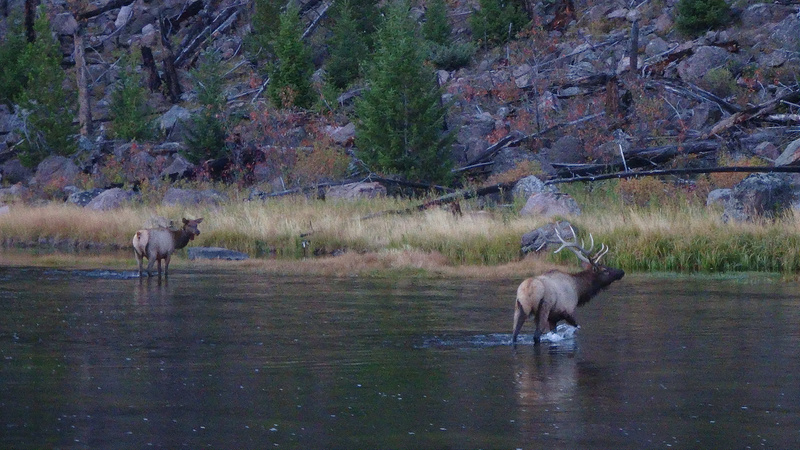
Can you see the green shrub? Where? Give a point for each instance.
(451, 57)
(497, 21)
(442, 51)
(720, 82)
(697, 16)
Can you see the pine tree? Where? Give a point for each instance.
(130, 113)
(265, 24)
(290, 79)
(13, 77)
(347, 48)
(209, 127)
(436, 29)
(400, 117)
(46, 108)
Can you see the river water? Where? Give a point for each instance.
(104, 360)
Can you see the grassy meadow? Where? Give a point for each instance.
(675, 235)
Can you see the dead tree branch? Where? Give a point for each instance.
(315, 22)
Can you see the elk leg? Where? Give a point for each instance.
(542, 322)
(519, 319)
(150, 262)
(166, 265)
(159, 267)
(139, 258)
(571, 320)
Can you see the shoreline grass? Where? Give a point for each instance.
(669, 238)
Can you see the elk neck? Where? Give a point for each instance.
(588, 283)
(181, 238)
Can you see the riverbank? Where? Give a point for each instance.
(313, 236)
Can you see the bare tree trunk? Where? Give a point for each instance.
(30, 18)
(84, 106)
(170, 74)
(171, 77)
(634, 54)
(149, 63)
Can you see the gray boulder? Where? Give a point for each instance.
(529, 186)
(215, 253)
(82, 198)
(719, 197)
(191, 197)
(55, 171)
(544, 237)
(761, 195)
(179, 168)
(355, 191)
(14, 172)
(110, 199)
(548, 204)
(694, 68)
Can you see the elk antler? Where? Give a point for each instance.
(582, 254)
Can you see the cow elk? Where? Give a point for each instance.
(554, 296)
(156, 244)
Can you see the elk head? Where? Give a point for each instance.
(602, 275)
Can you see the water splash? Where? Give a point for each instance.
(563, 334)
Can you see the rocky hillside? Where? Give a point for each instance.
(586, 88)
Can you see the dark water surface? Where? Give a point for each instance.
(101, 360)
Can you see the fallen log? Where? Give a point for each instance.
(665, 172)
(114, 4)
(645, 157)
(754, 112)
(222, 21)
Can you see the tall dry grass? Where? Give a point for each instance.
(679, 237)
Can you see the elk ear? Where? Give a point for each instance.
(586, 266)
(199, 220)
(185, 221)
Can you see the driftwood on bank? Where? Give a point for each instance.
(495, 188)
(318, 189)
(463, 194)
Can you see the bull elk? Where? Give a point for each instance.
(554, 296)
(156, 244)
